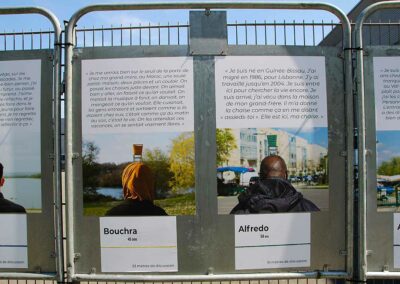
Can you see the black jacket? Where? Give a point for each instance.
(7, 206)
(272, 195)
(130, 207)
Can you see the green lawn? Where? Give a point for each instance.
(179, 205)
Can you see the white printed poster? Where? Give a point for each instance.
(13, 241)
(387, 113)
(396, 240)
(270, 91)
(136, 95)
(144, 104)
(138, 244)
(20, 150)
(387, 92)
(272, 241)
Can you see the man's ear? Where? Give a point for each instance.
(2, 181)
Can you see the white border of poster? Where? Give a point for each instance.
(138, 244)
(396, 240)
(387, 94)
(270, 91)
(13, 241)
(125, 95)
(272, 240)
(20, 110)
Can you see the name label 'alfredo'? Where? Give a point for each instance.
(272, 241)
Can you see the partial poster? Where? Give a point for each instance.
(138, 139)
(271, 106)
(387, 112)
(20, 152)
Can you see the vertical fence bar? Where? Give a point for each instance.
(130, 34)
(245, 31)
(313, 32)
(294, 32)
(284, 31)
(265, 33)
(178, 34)
(255, 30)
(112, 35)
(236, 29)
(121, 35)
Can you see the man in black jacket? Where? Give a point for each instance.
(6, 206)
(273, 193)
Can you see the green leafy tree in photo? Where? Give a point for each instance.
(390, 168)
(226, 142)
(182, 163)
(158, 162)
(90, 167)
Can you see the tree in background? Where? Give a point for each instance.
(390, 168)
(225, 144)
(158, 162)
(90, 167)
(182, 163)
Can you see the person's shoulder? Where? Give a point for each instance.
(8, 206)
(309, 206)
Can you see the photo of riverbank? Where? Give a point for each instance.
(169, 155)
(22, 167)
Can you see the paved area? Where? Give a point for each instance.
(319, 196)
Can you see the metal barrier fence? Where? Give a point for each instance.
(55, 175)
(369, 221)
(238, 33)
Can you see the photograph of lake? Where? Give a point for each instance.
(20, 156)
(169, 156)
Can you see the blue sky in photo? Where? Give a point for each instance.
(117, 148)
(387, 146)
(316, 135)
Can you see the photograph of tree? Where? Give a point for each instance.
(388, 170)
(169, 156)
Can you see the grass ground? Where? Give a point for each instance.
(179, 205)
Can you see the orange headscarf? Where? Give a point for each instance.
(138, 182)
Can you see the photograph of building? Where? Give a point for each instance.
(303, 156)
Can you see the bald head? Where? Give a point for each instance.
(273, 166)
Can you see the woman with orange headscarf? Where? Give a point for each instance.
(138, 187)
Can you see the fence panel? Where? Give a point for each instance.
(99, 85)
(376, 78)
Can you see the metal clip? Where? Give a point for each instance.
(77, 255)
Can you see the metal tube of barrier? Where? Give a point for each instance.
(71, 155)
(220, 277)
(363, 152)
(18, 276)
(57, 143)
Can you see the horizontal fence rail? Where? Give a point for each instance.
(284, 33)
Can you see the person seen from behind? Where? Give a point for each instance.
(7, 206)
(139, 193)
(273, 193)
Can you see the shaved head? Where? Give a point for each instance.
(273, 166)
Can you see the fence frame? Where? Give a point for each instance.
(71, 156)
(57, 143)
(364, 153)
